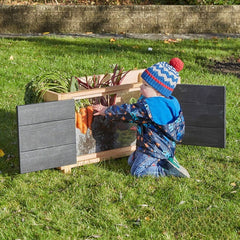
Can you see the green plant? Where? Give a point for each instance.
(109, 79)
(59, 83)
(38, 86)
(132, 100)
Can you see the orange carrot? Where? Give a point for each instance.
(89, 116)
(76, 119)
(83, 112)
(79, 121)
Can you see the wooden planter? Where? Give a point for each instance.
(130, 87)
(46, 131)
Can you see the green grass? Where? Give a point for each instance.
(103, 201)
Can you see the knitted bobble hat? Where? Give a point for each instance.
(162, 76)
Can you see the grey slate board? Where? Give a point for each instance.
(204, 112)
(46, 135)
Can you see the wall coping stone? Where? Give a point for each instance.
(139, 19)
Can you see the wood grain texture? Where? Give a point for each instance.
(48, 134)
(47, 158)
(44, 112)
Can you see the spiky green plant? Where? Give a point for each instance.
(38, 86)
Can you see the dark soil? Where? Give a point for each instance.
(229, 66)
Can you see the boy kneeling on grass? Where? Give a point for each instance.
(159, 119)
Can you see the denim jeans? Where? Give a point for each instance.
(143, 164)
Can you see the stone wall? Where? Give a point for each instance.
(120, 19)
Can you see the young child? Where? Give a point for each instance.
(159, 119)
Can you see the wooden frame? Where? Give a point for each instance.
(91, 93)
(104, 155)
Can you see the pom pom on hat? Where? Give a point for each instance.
(177, 63)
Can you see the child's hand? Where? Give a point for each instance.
(100, 109)
(133, 128)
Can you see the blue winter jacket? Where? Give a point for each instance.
(160, 124)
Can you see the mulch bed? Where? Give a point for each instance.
(229, 66)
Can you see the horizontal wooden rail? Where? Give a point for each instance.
(91, 93)
(99, 157)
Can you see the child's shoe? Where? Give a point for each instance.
(173, 168)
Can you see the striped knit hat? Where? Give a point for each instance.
(162, 76)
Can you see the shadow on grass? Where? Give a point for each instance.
(125, 47)
(118, 165)
(9, 163)
(89, 45)
(59, 46)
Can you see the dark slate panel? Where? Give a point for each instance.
(203, 115)
(46, 135)
(45, 112)
(49, 134)
(47, 158)
(201, 94)
(204, 111)
(203, 136)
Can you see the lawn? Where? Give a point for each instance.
(103, 201)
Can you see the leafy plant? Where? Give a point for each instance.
(56, 82)
(107, 80)
(74, 85)
(38, 86)
(132, 100)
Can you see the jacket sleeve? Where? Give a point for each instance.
(133, 113)
(175, 130)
